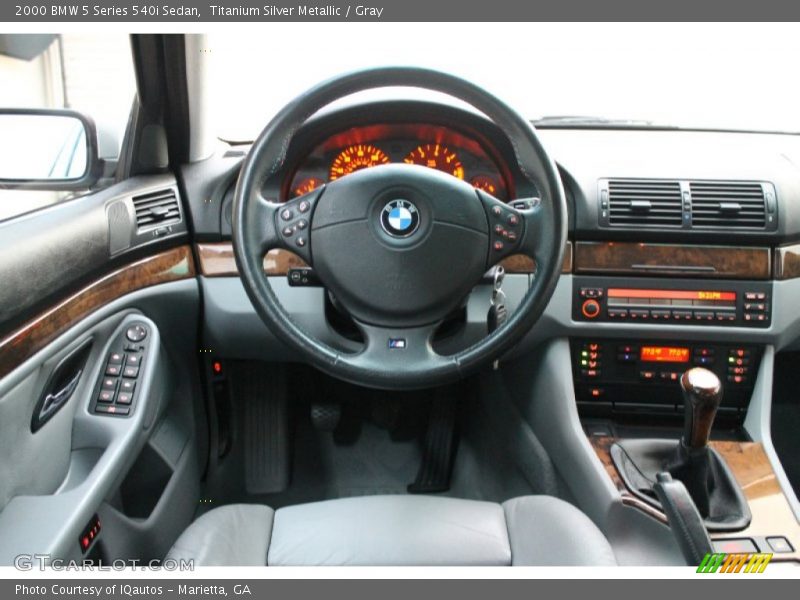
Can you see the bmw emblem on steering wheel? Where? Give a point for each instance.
(400, 218)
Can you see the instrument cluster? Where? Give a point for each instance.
(432, 146)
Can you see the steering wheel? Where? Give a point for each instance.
(399, 246)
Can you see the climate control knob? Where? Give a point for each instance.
(590, 309)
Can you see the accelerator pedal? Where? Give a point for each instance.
(441, 444)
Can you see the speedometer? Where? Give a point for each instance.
(436, 156)
(357, 157)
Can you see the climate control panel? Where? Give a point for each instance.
(643, 375)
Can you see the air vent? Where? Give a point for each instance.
(738, 205)
(156, 208)
(642, 202)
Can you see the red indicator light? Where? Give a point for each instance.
(217, 366)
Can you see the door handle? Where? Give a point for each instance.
(53, 400)
(61, 385)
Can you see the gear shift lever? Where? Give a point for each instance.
(703, 472)
(702, 393)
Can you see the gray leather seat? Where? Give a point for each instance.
(396, 530)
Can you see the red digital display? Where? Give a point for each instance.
(672, 294)
(664, 354)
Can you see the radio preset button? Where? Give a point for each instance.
(617, 313)
(639, 313)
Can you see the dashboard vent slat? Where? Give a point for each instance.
(644, 202)
(729, 205)
(157, 208)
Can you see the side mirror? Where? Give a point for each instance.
(42, 149)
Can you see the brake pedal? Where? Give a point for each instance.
(325, 416)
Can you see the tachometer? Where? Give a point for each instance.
(357, 157)
(306, 185)
(436, 156)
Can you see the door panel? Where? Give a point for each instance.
(78, 275)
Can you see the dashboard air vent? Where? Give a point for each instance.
(644, 202)
(157, 208)
(728, 204)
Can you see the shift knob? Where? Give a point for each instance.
(702, 393)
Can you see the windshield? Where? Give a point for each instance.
(723, 76)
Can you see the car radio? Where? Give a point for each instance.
(643, 375)
(608, 299)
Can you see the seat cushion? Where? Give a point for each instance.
(391, 530)
(234, 535)
(397, 530)
(546, 531)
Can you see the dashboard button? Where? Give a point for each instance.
(617, 313)
(109, 383)
(681, 315)
(660, 315)
(133, 360)
(590, 309)
(639, 313)
(127, 385)
(130, 372)
(124, 398)
(115, 358)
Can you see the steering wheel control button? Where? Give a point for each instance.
(590, 309)
(400, 218)
(288, 231)
(286, 214)
(498, 246)
(303, 277)
(497, 211)
(304, 206)
(302, 224)
(301, 242)
(136, 333)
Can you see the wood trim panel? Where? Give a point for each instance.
(772, 513)
(170, 265)
(787, 262)
(218, 260)
(711, 262)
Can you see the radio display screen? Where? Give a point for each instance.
(664, 354)
(673, 296)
